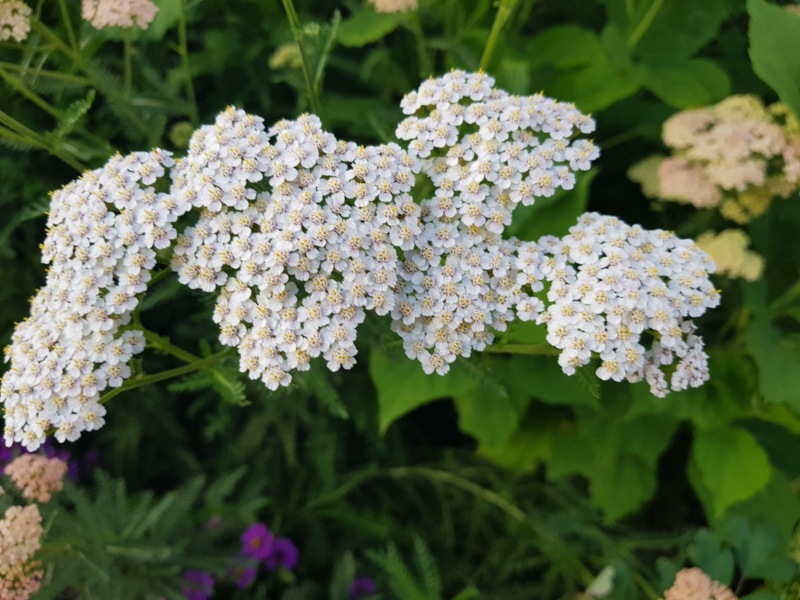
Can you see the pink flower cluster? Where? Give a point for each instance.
(694, 584)
(37, 476)
(118, 13)
(736, 155)
(20, 538)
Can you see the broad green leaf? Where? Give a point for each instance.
(687, 83)
(553, 215)
(491, 413)
(732, 465)
(623, 486)
(367, 26)
(618, 457)
(594, 87)
(776, 506)
(531, 443)
(564, 47)
(776, 356)
(678, 28)
(727, 396)
(707, 552)
(514, 75)
(490, 420)
(774, 49)
(402, 385)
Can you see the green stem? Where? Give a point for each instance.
(87, 69)
(68, 25)
(143, 380)
(183, 50)
(30, 136)
(161, 343)
(65, 77)
(504, 13)
(127, 73)
(529, 349)
(550, 541)
(644, 24)
(19, 86)
(425, 68)
(294, 24)
(168, 347)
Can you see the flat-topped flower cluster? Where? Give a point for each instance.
(103, 231)
(300, 234)
(736, 155)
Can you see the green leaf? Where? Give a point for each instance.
(687, 83)
(732, 465)
(489, 420)
(774, 50)
(74, 113)
(166, 18)
(564, 47)
(532, 441)
(367, 26)
(553, 215)
(343, 575)
(402, 385)
(492, 415)
(594, 87)
(618, 457)
(776, 356)
(623, 486)
(707, 552)
(678, 28)
(514, 75)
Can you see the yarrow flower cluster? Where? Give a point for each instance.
(103, 230)
(485, 152)
(300, 234)
(628, 296)
(694, 584)
(729, 251)
(20, 538)
(14, 20)
(37, 476)
(736, 155)
(118, 13)
(297, 265)
(393, 6)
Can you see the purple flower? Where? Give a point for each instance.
(245, 575)
(198, 585)
(284, 553)
(361, 588)
(257, 541)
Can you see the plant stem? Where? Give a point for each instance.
(294, 24)
(425, 68)
(143, 380)
(127, 73)
(183, 50)
(643, 25)
(17, 83)
(68, 25)
(161, 343)
(89, 71)
(504, 13)
(65, 77)
(30, 136)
